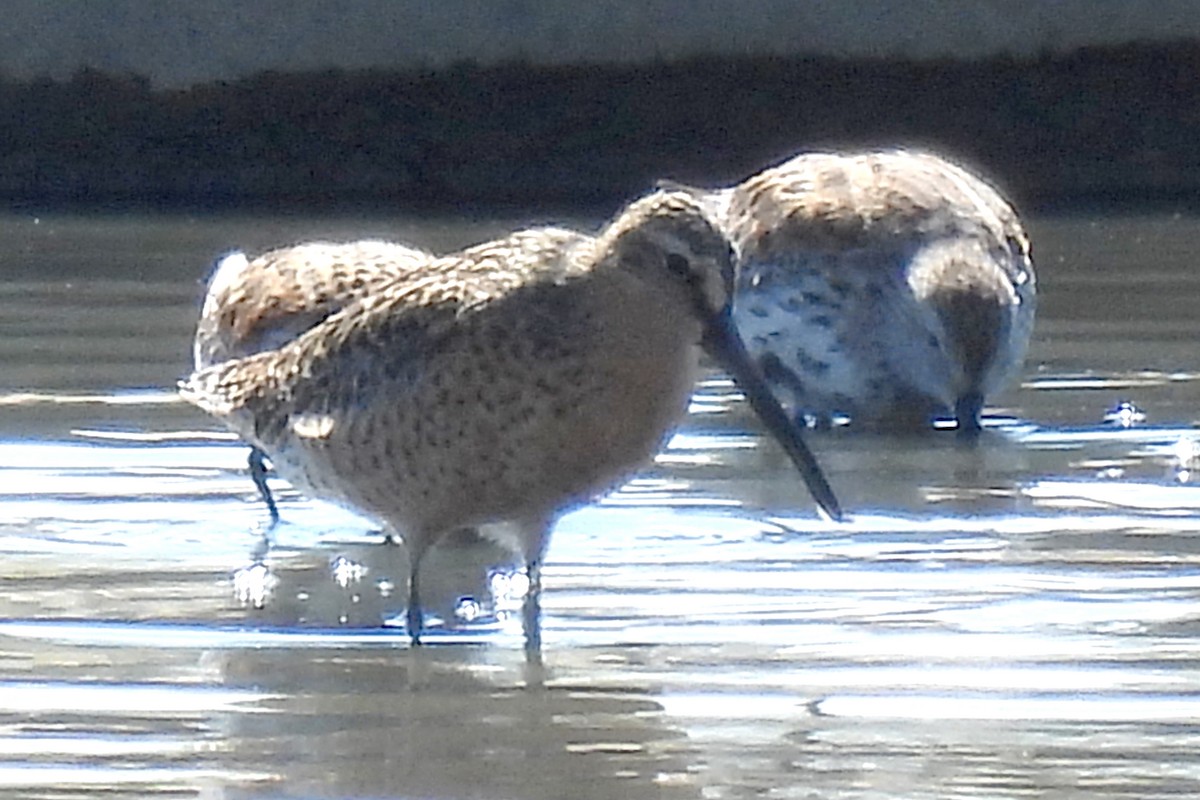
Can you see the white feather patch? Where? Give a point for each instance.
(313, 426)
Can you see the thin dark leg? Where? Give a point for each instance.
(415, 617)
(968, 410)
(531, 609)
(258, 474)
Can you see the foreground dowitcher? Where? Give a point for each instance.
(502, 385)
(888, 286)
(261, 304)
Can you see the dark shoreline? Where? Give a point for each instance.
(1097, 128)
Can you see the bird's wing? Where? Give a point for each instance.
(258, 305)
(832, 203)
(387, 335)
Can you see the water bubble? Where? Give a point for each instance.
(1186, 451)
(508, 589)
(467, 609)
(1125, 415)
(385, 586)
(508, 584)
(254, 584)
(345, 572)
(1185, 455)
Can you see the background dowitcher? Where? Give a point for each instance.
(261, 304)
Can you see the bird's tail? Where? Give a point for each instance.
(224, 388)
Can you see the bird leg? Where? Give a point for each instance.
(531, 609)
(258, 474)
(415, 618)
(967, 410)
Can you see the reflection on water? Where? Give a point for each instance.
(1017, 618)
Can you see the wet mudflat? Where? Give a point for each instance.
(1014, 619)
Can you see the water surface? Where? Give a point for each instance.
(1016, 619)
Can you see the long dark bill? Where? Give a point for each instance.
(723, 343)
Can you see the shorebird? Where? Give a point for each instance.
(253, 306)
(889, 286)
(500, 386)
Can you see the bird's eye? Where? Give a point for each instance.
(679, 265)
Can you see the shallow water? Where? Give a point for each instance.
(1016, 619)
